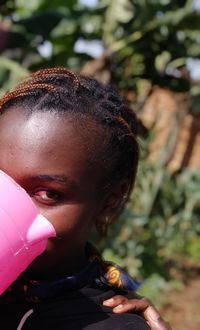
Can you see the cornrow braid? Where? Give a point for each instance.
(56, 71)
(36, 81)
(125, 124)
(65, 92)
(24, 90)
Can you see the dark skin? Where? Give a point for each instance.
(53, 162)
(45, 154)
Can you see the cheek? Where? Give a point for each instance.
(70, 220)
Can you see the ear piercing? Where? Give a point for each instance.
(106, 219)
(125, 196)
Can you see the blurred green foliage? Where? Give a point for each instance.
(160, 223)
(149, 39)
(145, 43)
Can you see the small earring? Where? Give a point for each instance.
(106, 219)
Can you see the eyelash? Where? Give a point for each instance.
(56, 197)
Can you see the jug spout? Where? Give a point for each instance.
(41, 229)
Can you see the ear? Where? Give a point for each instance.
(114, 199)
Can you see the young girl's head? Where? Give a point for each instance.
(71, 143)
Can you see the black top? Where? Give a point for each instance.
(74, 310)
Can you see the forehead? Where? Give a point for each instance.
(47, 139)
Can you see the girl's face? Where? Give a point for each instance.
(50, 158)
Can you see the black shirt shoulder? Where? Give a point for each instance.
(83, 310)
(75, 310)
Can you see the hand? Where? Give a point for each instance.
(122, 304)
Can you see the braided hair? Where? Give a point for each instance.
(64, 92)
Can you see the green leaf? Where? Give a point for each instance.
(41, 24)
(16, 72)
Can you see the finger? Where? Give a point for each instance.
(155, 320)
(133, 305)
(115, 301)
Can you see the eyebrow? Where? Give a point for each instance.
(58, 178)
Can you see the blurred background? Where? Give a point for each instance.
(150, 50)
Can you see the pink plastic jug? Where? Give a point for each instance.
(23, 231)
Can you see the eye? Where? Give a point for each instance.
(47, 197)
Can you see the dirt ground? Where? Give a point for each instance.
(183, 309)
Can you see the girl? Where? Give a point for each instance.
(71, 143)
